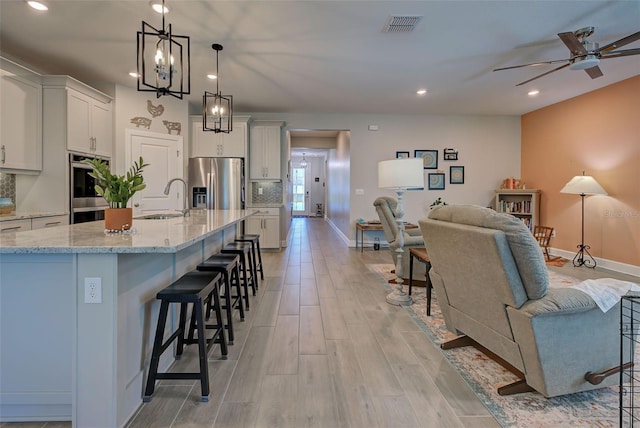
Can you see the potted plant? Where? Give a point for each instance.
(438, 202)
(117, 190)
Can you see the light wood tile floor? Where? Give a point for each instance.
(320, 347)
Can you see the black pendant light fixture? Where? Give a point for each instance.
(164, 61)
(217, 109)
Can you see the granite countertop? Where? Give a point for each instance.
(23, 215)
(265, 206)
(149, 236)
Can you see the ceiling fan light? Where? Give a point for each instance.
(588, 62)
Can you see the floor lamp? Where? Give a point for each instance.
(399, 175)
(583, 185)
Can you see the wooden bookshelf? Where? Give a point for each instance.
(524, 204)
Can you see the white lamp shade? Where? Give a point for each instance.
(583, 185)
(401, 173)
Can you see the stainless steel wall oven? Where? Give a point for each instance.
(86, 205)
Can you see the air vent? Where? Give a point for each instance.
(401, 23)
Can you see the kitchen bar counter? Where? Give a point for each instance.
(23, 215)
(148, 236)
(66, 357)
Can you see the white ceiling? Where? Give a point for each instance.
(332, 56)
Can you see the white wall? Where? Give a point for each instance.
(489, 149)
(129, 103)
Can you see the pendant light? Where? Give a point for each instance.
(303, 162)
(217, 109)
(164, 61)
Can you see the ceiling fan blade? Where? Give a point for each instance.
(616, 54)
(544, 74)
(532, 64)
(594, 72)
(619, 43)
(573, 43)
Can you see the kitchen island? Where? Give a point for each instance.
(65, 359)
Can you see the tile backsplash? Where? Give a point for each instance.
(8, 186)
(271, 192)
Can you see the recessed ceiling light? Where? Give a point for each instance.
(158, 6)
(421, 91)
(212, 76)
(37, 5)
(533, 93)
(134, 74)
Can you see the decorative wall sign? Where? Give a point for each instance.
(173, 126)
(436, 181)
(450, 154)
(402, 155)
(155, 110)
(141, 121)
(430, 158)
(456, 175)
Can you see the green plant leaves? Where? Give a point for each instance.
(117, 190)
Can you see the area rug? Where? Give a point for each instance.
(598, 408)
(557, 261)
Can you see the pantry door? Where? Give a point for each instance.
(164, 154)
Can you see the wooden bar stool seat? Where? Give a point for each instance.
(228, 266)
(196, 288)
(255, 249)
(247, 267)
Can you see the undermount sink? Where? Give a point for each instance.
(162, 216)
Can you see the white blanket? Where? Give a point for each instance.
(606, 292)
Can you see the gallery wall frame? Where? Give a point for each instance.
(450, 154)
(429, 157)
(403, 155)
(435, 180)
(456, 175)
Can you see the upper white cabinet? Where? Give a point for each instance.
(211, 144)
(20, 119)
(265, 150)
(86, 115)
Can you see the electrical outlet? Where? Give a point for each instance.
(553, 233)
(260, 191)
(93, 290)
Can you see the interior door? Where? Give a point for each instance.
(164, 154)
(300, 192)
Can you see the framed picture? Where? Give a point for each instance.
(429, 157)
(436, 181)
(402, 155)
(450, 155)
(456, 175)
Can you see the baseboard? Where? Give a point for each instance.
(603, 263)
(341, 235)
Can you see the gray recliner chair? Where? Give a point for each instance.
(386, 208)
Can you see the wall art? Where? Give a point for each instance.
(402, 155)
(436, 180)
(429, 157)
(141, 121)
(450, 154)
(155, 110)
(456, 175)
(173, 126)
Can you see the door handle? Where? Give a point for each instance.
(2, 154)
(136, 205)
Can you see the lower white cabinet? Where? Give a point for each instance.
(25, 224)
(266, 223)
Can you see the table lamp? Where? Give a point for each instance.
(583, 185)
(399, 175)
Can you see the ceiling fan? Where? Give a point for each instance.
(585, 55)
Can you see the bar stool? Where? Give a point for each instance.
(255, 249)
(228, 266)
(243, 249)
(196, 288)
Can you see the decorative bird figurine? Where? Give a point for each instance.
(155, 110)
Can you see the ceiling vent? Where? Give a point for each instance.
(401, 23)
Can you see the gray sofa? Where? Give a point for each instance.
(386, 208)
(492, 285)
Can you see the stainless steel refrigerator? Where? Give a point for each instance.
(216, 183)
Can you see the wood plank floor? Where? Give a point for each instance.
(320, 347)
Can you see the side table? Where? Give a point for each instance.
(422, 256)
(362, 227)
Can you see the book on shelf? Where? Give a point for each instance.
(518, 207)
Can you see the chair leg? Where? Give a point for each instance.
(260, 260)
(202, 348)
(155, 354)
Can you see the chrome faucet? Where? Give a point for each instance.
(185, 211)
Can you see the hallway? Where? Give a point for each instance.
(321, 347)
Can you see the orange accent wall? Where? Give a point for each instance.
(598, 132)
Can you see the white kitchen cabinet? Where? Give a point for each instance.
(20, 119)
(10, 226)
(266, 223)
(89, 124)
(49, 221)
(210, 144)
(265, 151)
